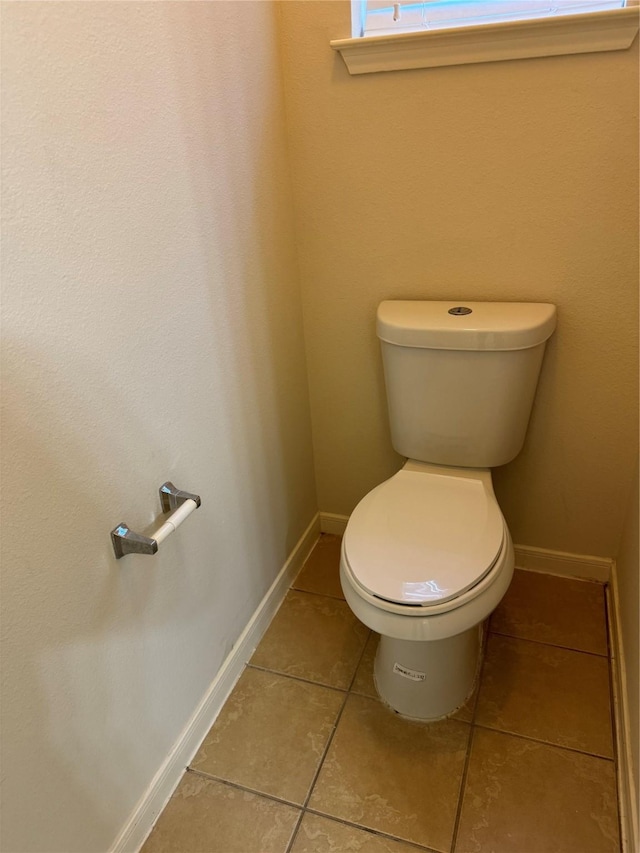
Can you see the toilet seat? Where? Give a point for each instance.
(421, 539)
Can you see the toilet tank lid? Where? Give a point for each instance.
(465, 325)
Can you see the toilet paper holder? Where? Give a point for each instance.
(180, 503)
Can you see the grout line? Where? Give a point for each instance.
(335, 725)
(297, 678)
(552, 645)
(294, 834)
(296, 828)
(304, 808)
(327, 747)
(365, 695)
(357, 667)
(467, 761)
(322, 594)
(483, 660)
(368, 829)
(353, 680)
(316, 774)
(543, 742)
(240, 787)
(463, 785)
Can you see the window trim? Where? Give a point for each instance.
(590, 32)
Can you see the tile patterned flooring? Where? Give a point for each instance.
(304, 758)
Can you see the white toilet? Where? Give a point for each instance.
(427, 555)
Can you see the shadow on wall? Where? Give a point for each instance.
(240, 186)
(153, 333)
(69, 618)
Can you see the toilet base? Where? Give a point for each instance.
(428, 680)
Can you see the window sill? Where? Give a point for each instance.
(586, 33)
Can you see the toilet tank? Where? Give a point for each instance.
(461, 377)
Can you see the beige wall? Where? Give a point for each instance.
(502, 181)
(628, 571)
(152, 331)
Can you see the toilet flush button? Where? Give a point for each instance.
(460, 309)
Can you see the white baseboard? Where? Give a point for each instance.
(527, 557)
(627, 795)
(146, 812)
(332, 523)
(563, 564)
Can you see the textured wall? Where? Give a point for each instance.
(152, 331)
(503, 181)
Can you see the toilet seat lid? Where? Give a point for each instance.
(422, 538)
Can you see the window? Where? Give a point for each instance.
(394, 36)
(379, 17)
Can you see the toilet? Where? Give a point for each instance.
(427, 555)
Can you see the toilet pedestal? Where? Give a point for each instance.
(428, 680)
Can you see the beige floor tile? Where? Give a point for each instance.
(321, 572)
(271, 734)
(525, 797)
(466, 712)
(394, 775)
(314, 637)
(364, 684)
(205, 816)
(321, 835)
(554, 610)
(546, 692)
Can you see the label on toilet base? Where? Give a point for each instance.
(413, 674)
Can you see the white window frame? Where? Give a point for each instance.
(590, 32)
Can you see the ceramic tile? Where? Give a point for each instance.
(204, 815)
(525, 797)
(393, 775)
(321, 835)
(364, 684)
(545, 692)
(465, 713)
(560, 611)
(271, 734)
(321, 572)
(314, 637)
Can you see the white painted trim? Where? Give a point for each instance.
(330, 522)
(527, 557)
(563, 564)
(592, 32)
(163, 784)
(627, 795)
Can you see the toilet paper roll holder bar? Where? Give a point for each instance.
(180, 503)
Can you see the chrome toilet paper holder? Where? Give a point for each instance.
(176, 501)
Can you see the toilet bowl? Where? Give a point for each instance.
(425, 559)
(427, 555)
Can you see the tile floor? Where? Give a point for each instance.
(305, 759)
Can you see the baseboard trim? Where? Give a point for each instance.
(330, 522)
(627, 795)
(527, 557)
(155, 798)
(563, 564)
